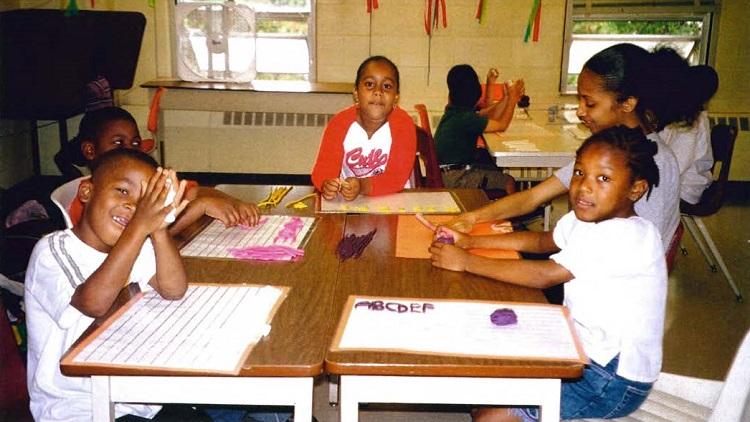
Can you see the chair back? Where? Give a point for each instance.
(424, 118)
(63, 196)
(430, 176)
(722, 146)
(734, 400)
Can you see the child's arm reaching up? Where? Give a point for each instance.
(95, 296)
(536, 273)
(170, 280)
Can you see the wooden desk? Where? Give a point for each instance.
(376, 377)
(281, 367)
(528, 145)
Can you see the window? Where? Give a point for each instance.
(283, 44)
(594, 25)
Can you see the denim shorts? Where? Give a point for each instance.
(599, 393)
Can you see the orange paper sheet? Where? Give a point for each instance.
(413, 238)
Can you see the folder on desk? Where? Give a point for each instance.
(211, 329)
(413, 239)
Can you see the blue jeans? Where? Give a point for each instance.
(601, 393)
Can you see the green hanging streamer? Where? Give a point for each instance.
(532, 16)
(72, 8)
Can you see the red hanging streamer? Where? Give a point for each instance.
(432, 15)
(537, 22)
(371, 4)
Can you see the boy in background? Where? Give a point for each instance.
(461, 125)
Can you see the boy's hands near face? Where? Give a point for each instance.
(150, 212)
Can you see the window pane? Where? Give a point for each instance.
(283, 55)
(281, 50)
(589, 37)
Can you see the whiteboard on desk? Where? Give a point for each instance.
(396, 203)
(210, 330)
(216, 240)
(457, 327)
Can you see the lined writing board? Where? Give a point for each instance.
(216, 240)
(396, 203)
(457, 327)
(211, 329)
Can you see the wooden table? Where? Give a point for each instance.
(376, 377)
(528, 145)
(281, 368)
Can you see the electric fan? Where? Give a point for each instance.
(215, 42)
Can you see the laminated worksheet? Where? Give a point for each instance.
(211, 329)
(458, 327)
(272, 232)
(395, 203)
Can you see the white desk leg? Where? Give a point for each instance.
(303, 400)
(102, 408)
(348, 399)
(541, 392)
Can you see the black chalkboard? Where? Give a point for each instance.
(46, 58)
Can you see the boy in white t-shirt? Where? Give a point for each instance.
(75, 275)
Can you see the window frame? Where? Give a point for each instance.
(707, 38)
(260, 15)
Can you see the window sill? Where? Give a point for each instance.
(256, 86)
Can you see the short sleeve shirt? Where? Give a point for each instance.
(617, 297)
(457, 133)
(60, 263)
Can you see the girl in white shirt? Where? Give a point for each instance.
(613, 265)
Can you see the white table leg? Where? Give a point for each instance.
(102, 407)
(542, 392)
(271, 391)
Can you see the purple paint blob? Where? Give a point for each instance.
(504, 316)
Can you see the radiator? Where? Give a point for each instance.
(260, 133)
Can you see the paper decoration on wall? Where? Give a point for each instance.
(535, 20)
(371, 4)
(431, 20)
(432, 15)
(481, 8)
(72, 8)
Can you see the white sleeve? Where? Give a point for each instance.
(564, 174)
(47, 282)
(595, 249)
